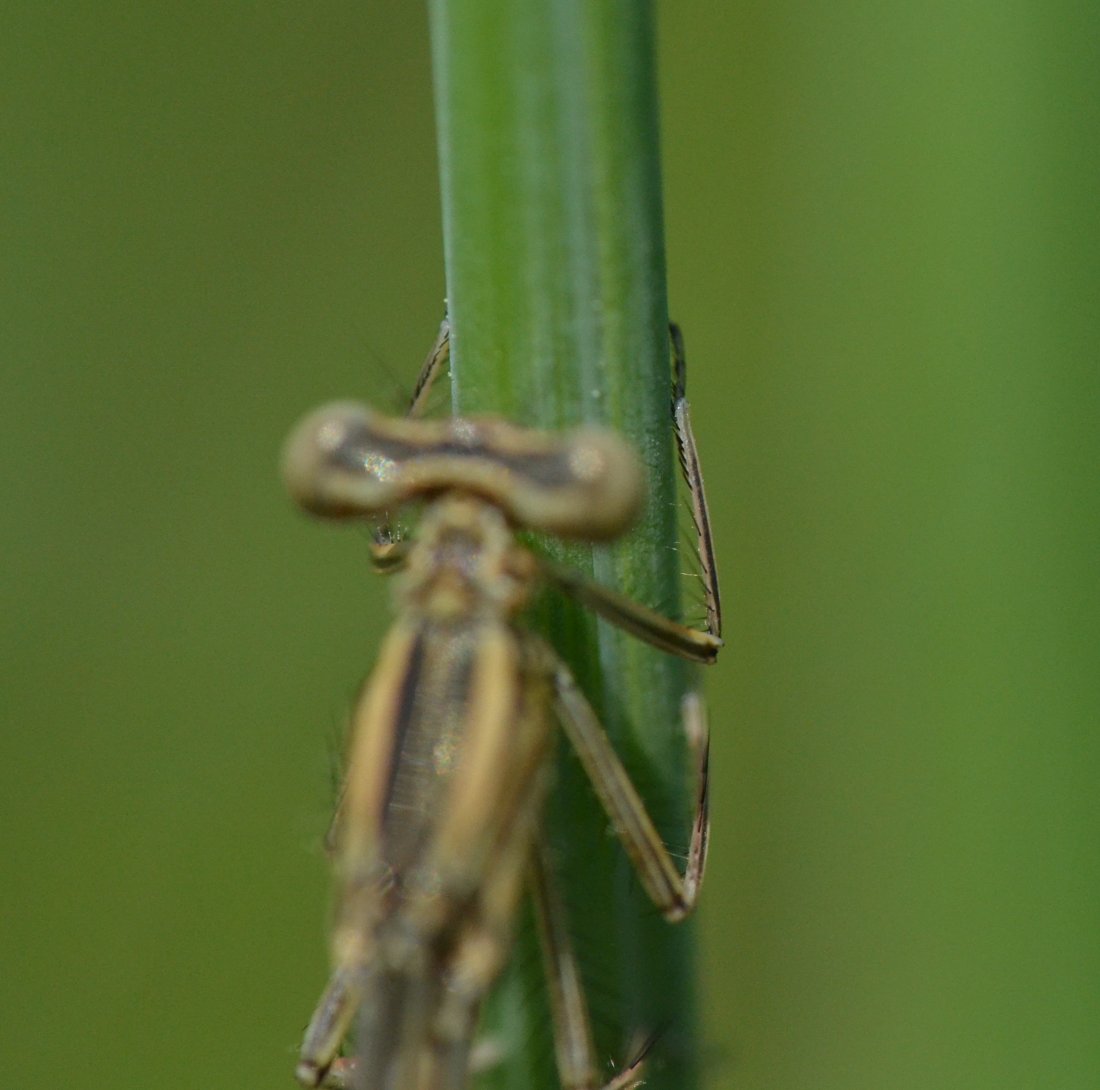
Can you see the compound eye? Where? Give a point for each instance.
(334, 465)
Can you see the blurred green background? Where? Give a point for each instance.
(884, 247)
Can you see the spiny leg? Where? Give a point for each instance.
(693, 475)
(387, 546)
(673, 893)
(430, 370)
(647, 624)
(574, 1047)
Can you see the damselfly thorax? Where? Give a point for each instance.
(437, 831)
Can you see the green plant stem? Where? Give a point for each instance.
(547, 118)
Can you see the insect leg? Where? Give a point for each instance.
(430, 370)
(574, 1047)
(647, 624)
(693, 475)
(317, 1063)
(391, 1007)
(387, 547)
(673, 893)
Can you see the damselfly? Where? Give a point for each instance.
(437, 830)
